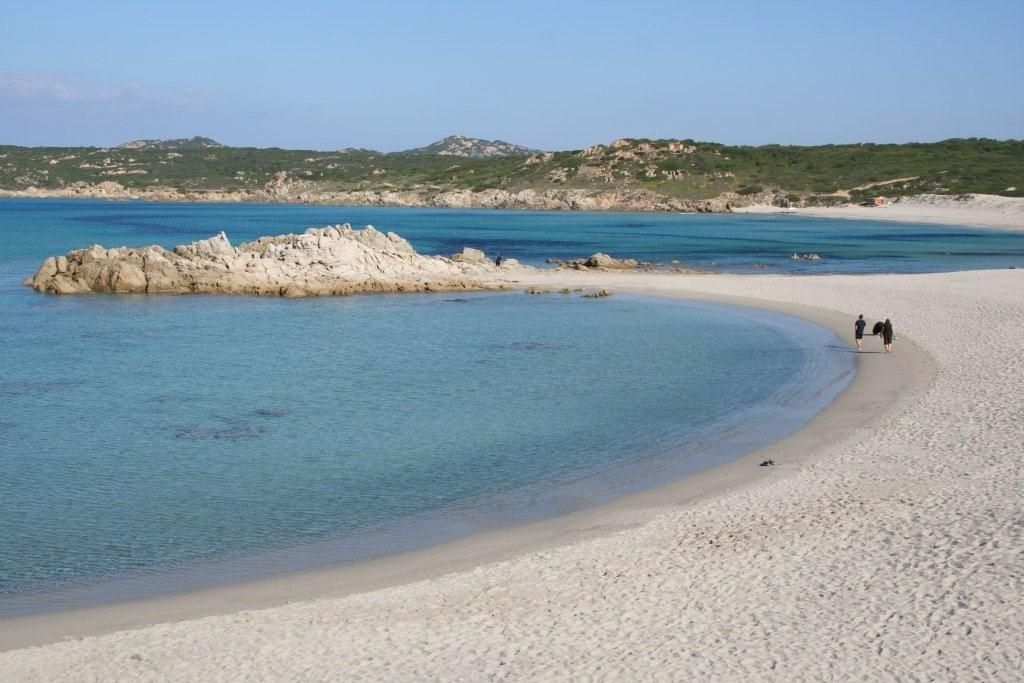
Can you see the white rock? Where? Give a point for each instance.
(321, 261)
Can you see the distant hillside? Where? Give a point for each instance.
(472, 148)
(180, 143)
(357, 150)
(627, 174)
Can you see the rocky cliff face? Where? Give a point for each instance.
(323, 261)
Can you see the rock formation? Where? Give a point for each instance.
(599, 261)
(470, 255)
(323, 261)
(604, 262)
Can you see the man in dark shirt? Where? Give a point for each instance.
(858, 332)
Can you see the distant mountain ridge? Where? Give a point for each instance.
(473, 148)
(453, 145)
(196, 142)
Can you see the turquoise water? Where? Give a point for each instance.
(150, 444)
(144, 434)
(735, 243)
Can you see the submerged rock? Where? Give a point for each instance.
(335, 260)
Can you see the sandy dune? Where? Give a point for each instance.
(897, 552)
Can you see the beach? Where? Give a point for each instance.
(541, 350)
(976, 210)
(886, 542)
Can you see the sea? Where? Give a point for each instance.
(152, 444)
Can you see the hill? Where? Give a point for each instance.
(473, 148)
(627, 174)
(179, 143)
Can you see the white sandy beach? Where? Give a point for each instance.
(976, 210)
(891, 550)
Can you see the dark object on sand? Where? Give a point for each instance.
(877, 329)
(767, 463)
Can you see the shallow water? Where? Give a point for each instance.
(154, 443)
(142, 434)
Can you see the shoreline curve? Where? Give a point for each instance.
(873, 390)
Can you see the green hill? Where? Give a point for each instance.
(676, 169)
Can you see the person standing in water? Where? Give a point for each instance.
(858, 332)
(887, 335)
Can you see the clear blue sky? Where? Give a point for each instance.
(555, 75)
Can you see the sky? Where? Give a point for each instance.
(551, 75)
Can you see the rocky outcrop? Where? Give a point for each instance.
(600, 261)
(604, 262)
(470, 255)
(323, 261)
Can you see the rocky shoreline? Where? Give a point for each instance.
(990, 211)
(329, 261)
(286, 191)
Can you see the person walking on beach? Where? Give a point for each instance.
(887, 335)
(858, 332)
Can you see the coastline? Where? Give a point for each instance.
(979, 211)
(624, 200)
(874, 388)
(883, 543)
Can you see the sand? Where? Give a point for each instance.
(976, 210)
(886, 544)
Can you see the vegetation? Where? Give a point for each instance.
(674, 168)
